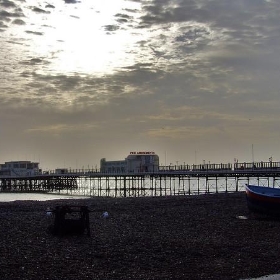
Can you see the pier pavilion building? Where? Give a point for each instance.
(20, 168)
(135, 162)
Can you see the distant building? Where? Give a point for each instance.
(115, 166)
(61, 170)
(20, 168)
(135, 162)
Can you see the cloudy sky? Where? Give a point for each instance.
(191, 80)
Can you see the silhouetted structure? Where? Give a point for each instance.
(70, 220)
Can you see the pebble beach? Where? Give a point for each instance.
(211, 236)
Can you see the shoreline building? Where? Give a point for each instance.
(20, 168)
(135, 162)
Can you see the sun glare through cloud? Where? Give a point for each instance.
(84, 38)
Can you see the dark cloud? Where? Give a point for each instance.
(111, 28)
(71, 1)
(7, 14)
(3, 25)
(39, 10)
(18, 22)
(191, 35)
(50, 6)
(122, 20)
(34, 61)
(34, 32)
(123, 16)
(164, 12)
(7, 4)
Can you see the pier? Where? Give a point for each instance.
(166, 181)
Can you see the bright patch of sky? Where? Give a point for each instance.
(77, 38)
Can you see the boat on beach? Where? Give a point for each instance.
(263, 200)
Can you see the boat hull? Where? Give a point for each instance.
(263, 200)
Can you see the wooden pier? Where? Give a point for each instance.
(161, 183)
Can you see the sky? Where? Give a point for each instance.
(193, 81)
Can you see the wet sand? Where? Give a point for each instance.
(197, 237)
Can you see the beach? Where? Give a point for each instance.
(211, 236)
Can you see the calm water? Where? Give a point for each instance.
(7, 197)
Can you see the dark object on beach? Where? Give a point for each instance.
(263, 200)
(70, 220)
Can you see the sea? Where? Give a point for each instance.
(9, 197)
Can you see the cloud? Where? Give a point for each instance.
(34, 32)
(18, 22)
(111, 28)
(140, 74)
(39, 10)
(8, 4)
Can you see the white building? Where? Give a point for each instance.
(20, 168)
(135, 162)
(115, 166)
